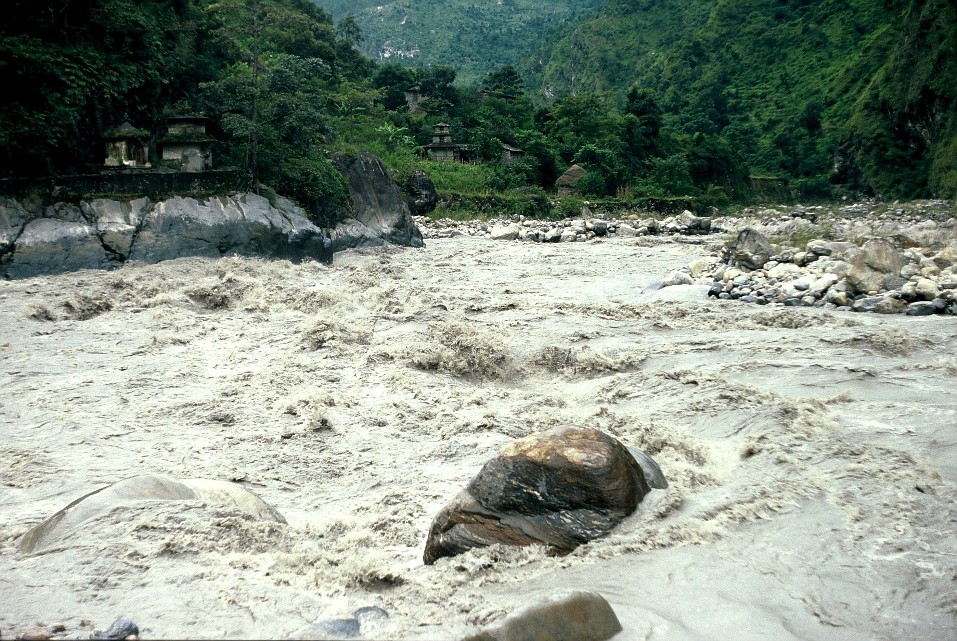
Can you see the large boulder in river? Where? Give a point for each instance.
(750, 250)
(59, 528)
(560, 489)
(379, 215)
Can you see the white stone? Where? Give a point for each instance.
(505, 232)
(824, 283)
(783, 270)
(677, 278)
(926, 289)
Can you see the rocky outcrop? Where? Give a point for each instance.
(379, 215)
(560, 488)
(101, 234)
(420, 194)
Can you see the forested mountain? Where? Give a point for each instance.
(663, 99)
(270, 74)
(472, 37)
(798, 88)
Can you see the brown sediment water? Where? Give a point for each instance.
(811, 455)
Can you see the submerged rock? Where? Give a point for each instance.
(61, 525)
(574, 616)
(559, 488)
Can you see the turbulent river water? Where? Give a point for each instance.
(811, 454)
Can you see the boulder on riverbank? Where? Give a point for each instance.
(103, 233)
(379, 214)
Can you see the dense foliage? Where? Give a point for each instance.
(472, 37)
(264, 71)
(665, 99)
(793, 86)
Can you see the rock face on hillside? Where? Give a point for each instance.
(420, 193)
(102, 234)
(380, 215)
(560, 488)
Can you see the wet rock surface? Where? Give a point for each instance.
(573, 616)
(559, 488)
(59, 528)
(122, 628)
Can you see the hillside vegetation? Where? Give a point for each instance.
(831, 92)
(472, 37)
(688, 100)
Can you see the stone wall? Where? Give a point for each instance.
(126, 184)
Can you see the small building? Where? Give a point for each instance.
(413, 96)
(443, 149)
(566, 181)
(511, 154)
(186, 144)
(127, 146)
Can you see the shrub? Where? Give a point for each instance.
(315, 184)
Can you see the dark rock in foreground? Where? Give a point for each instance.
(119, 629)
(560, 489)
(576, 616)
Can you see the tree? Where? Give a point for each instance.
(505, 80)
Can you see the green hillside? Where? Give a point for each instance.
(797, 87)
(474, 38)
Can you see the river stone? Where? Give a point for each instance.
(750, 249)
(505, 232)
(874, 267)
(926, 289)
(119, 629)
(921, 308)
(572, 616)
(946, 257)
(60, 526)
(559, 488)
(677, 277)
(553, 235)
(834, 249)
(627, 231)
